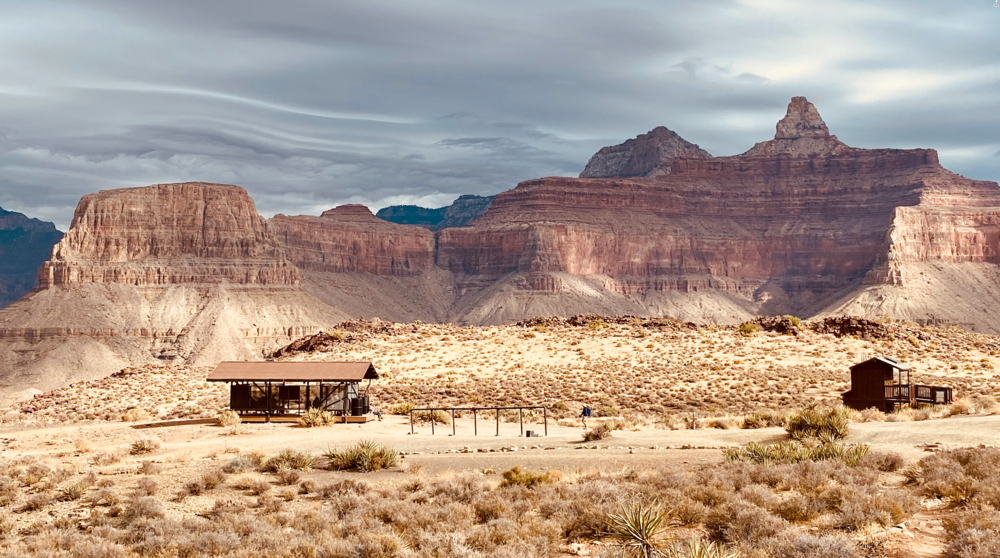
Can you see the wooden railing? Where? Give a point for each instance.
(918, 394)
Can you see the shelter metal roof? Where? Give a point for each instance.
(887, 360)
(293, 372)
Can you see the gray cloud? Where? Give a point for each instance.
(312, 104)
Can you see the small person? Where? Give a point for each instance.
(585, 414)
(377, 413)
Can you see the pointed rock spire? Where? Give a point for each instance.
(801, 121)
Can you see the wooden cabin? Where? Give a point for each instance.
(884, 383)
(290, 389)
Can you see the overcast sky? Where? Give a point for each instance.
(313, 103)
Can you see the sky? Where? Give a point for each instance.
(309, 104)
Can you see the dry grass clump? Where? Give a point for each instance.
(364, 456)
(144, 445)
(599, 432)
(137, 415)
(765, 418)
(519, 477)
(795, 452)
(316, 417)
(289, 459)
(228, 417)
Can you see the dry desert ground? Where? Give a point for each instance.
(78, 480)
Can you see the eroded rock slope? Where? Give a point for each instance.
(799, 224)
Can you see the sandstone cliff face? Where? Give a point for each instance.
(24, 245)
(168, 234)
(349, 239)
(177, 273)
(649, 154)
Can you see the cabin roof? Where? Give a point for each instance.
(893, 362)
(293, 372)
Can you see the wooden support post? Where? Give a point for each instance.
(411, 421)
(498, 421)
(520, 416)
(453, 422)
(268, 397)
(545, 419)
(432, 421)
(475, 417)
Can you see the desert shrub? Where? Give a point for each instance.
(341, 488)
(794, 320)
(519, 477)
(986, 404)
(887, 462)
(143, 446)
(137, 415)
(146, 486)
(807, 545)
(37, 501)
(493, 505)
(749, 328)
(240, 464)
(76, 490)
(821, 423)
(973, 534)
(364, 456)
(213, 478)
(142, 507)
(599, 432)
(316, 417)
(742, 522)
(871, 414)
(228, 417)
(858, 508)
(764, 419)
(9, 491)
(402, 408)
(150, 468)
(438, 417)
(289, 459)
(288, 477)
(255, 484)
(607, 411)
(722, 423)
(83, 445)
(104, 458)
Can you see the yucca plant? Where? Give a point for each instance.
(316, 417)
(364, 456)
(639, 529)
(697, 548)
(289, 459)
(828, 424)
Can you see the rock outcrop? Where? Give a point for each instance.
(649, 154)
(25, 244)
(182, 273)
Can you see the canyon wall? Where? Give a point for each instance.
(799, 224)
